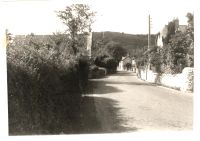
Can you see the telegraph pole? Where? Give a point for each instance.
(149, 34)
(149, 44)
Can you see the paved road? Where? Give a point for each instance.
(123, 103)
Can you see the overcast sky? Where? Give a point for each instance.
(129, 16)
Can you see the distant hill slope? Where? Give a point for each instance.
(135, 40)
(134, 43)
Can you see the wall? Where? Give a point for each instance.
(182, 81)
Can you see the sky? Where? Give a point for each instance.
(128, 16)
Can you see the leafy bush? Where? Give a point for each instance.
(108, 55)
(177, 52)
(97, 72)
(110, 64)
(106, 62)
(45, 83)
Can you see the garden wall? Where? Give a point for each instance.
(182, 81)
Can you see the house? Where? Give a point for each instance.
(163, 33)
(160, 36)
(127, 64)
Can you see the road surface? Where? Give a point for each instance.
(123, 103)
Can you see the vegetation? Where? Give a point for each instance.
(44, 85)
(78, 19)
(135, 45)
(108, 56)
(178, 52)
(46, 77)
(104, 44)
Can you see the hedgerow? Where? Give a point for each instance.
(45, 83)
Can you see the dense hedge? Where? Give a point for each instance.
(106, 62)
(44, 86)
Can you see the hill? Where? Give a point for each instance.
(133, 43)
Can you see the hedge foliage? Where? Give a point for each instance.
(45, 83)
(108, 55)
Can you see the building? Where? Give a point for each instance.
(127, 64)
(163, 33)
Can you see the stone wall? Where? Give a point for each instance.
(182, 81)
(188, 79)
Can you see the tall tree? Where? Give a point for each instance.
(78, 19)
(116, 50)
(190, 39)
(190, 17)
(171, 27)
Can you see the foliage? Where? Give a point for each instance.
(133, 44)
(78, 19)
(171, 28)
(45, 83)
(155, 60)
(110, 64)
(141, 61)
(190, 17)
(177, 52)
(108, 55)
(127, 65)
(115, 50)
(106, 62)
(96, 72)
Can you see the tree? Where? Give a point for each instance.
(115, 50)
(190, 38)
(108, 55)
(190, 21)
(177, 52)
(171, 28)
(78, 19)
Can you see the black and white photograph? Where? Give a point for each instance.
(98, 67)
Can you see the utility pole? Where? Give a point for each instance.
(149, 44)
(149, 34)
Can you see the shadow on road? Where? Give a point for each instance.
(131, 83)
(95, 120)
(101, 87)
(104, 87)
(101, 114)
(124, 73)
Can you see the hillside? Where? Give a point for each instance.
(134, 43)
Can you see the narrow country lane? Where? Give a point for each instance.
(123, 103)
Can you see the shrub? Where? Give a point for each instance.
(110, 64)
(44, 86)
(97, 72)
(106, 62)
